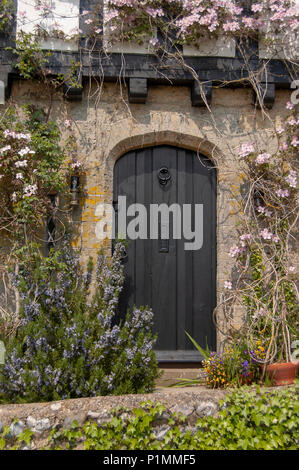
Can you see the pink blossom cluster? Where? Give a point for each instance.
(16, 135)
(263, 158)
(261, 312)
(21, 164)
(30, 190)
(209, 16)
(256, 7)
(76, 165)
(5, 149)
(153, 41)
(25, 151)
(228, 285)
(246, 149)
(291, 270)
(154, 12)
(282, 192)
(267, 235)
(43, 5)
(280, 130)
(68, 123)
(292, 122)
(283, 147)
(110, 15)
(244, 237)
(16, 162)
(264, 211)
(290, 105)
(236, 249)
(291, 178)
(231, 26)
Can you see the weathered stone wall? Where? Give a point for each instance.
(41, 418)
(106, 127)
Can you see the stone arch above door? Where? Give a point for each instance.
(164, 137)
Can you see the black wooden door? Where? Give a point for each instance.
(178, 284)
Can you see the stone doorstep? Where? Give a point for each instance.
(173, 375)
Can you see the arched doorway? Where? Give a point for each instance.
(179, 284)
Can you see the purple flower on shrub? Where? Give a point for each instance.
(245, 368)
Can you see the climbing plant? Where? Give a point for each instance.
(6, 14)
(33, 166)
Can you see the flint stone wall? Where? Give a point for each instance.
(41, 418)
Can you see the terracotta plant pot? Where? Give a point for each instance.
(246, 380)
(296, 364)
(282, 373)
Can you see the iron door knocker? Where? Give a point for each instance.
(163, 175)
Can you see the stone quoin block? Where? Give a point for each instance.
(5, 84)
(196, 93)
(2, 92)
(71, 91)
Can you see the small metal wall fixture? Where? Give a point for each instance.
(258, 197)
(163, 176)
(75, 183)
(2, 92)
(51, 221)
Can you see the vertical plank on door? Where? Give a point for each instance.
(164, 264)
(203, 288)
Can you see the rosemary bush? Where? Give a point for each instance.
(67, 347)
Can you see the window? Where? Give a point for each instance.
(221, 47)
(120, 47)
(50, 16)
(283, 45)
